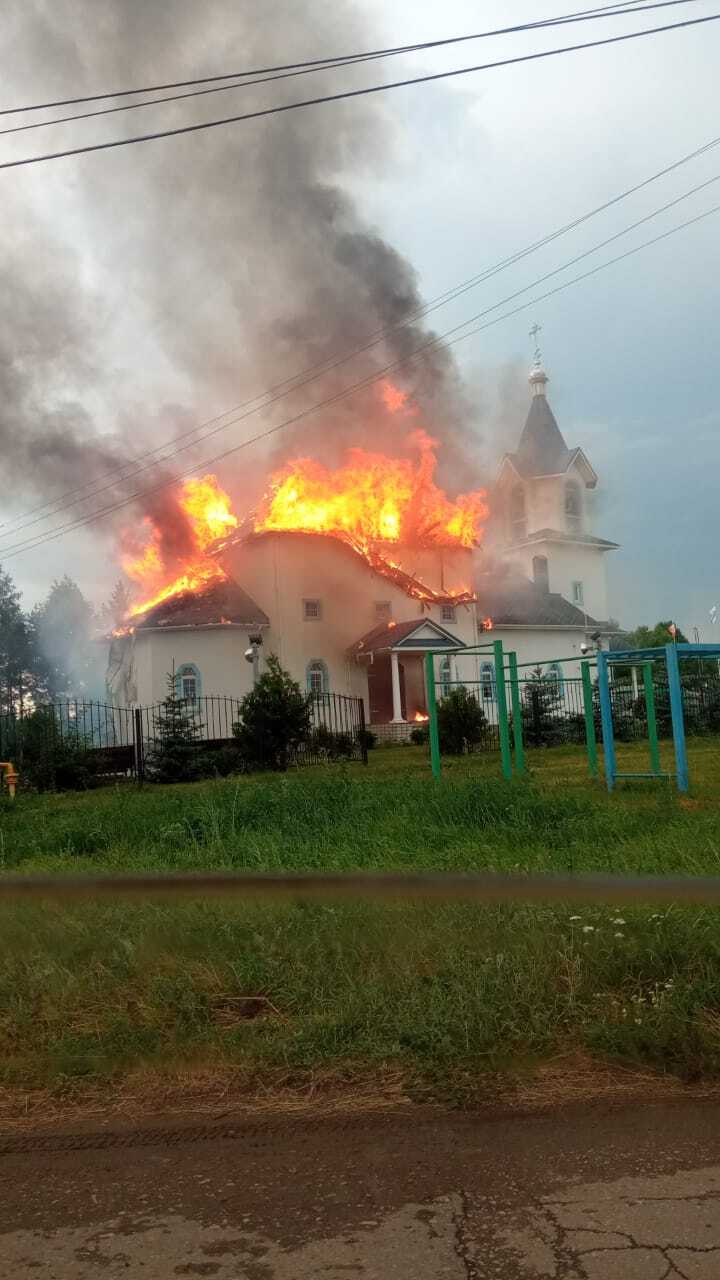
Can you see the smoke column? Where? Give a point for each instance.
(147, 288)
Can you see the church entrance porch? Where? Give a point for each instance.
(397, 696)
(393, 655)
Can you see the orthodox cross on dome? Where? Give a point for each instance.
(537, 357)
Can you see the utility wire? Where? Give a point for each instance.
(443, 341)
(353, 93)
(304, 377)
(352, 60)
(633, 6)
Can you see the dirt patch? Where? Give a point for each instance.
(214, 1093)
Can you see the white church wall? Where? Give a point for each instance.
(217, 652)
(281, 572)
(542, 645)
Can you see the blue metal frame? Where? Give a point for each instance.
(676, 712)
(606, 720)
(671, 653)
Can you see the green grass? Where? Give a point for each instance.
(441, 991)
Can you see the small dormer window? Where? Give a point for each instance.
(573, 507)
(448, 613)
(312, 610)
(383, 610)
(518, 515)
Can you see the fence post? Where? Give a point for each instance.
(139, 745)
(516, 713)
(590, 736)
(432, 713)
(363, 730)
(651, 717)
(503, 723)
(678, 718)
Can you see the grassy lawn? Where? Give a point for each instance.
(441, 993)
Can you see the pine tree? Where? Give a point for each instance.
(175, 756)
(116, 608)
(542, 699)
(15, 656)
(64, 626)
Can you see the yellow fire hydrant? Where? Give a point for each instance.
(11, 776)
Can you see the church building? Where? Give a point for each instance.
(342, 622)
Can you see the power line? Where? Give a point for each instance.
(444, 341)
(632, 6)
(611, 11)
(300, 380)
(353, 93)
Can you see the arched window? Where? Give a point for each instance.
(188, 682)
(445, 676)
(487, 680)
(518, 517)
(555, 675)
(573, 507)
(540, 572)
(318, 680)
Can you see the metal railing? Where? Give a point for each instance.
(118, 741)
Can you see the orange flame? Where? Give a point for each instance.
(420, 717)
(373, 498)
(209, 513)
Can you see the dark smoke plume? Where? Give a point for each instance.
(207, 267)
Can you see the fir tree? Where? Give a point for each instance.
(175, 755)
(542, 700)
(116, 608)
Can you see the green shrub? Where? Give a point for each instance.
(420, 735)
(55, 758)
(274, 719)
(461, 722)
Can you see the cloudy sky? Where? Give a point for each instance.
(150, 288)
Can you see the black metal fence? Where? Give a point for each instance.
(117, 742)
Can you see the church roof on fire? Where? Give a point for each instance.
(222, 602)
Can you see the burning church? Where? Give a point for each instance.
(350, 574)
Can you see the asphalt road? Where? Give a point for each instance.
(591, 1193)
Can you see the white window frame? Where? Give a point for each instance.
(578, 593)
(317, 667)
(448, 613)
(312, 601)
(487, 681)
(383, 610)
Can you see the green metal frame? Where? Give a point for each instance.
(516, 713)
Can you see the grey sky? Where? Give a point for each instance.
(467, 171)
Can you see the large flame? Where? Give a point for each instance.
(208, 511)
(373, 498)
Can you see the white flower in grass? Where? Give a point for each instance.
(618, 920)
(619, 935)
(576, 917)
(588, 928)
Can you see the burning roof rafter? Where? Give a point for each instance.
(371, 503)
